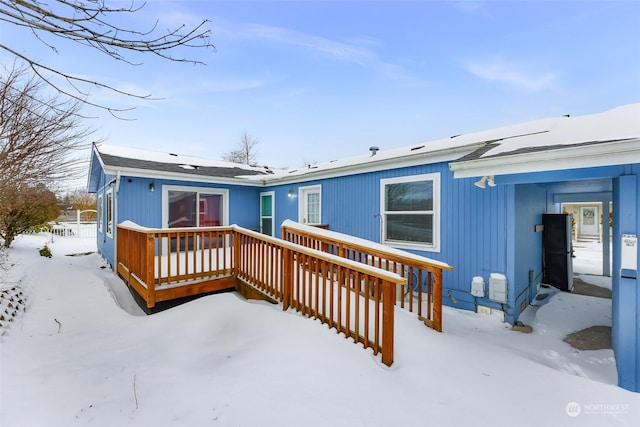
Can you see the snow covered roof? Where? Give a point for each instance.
(608, 138)
(135, 162)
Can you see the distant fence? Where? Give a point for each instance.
(77, 228)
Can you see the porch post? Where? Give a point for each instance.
(388, 304)
(626, 294)
(150, 277)
(437, 300)
(287, 286)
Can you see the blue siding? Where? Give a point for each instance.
(626, 291)
(472, 221)
(530, 204)
(138, 204)
(142, 206)
(105, 243)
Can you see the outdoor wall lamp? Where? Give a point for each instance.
(152, 186)
(487, 179)
(290, 192)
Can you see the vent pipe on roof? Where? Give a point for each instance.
(373, 150)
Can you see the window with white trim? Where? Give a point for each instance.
(410, 210)
(100, 214)
(109, 209)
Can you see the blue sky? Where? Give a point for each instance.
(314, 81)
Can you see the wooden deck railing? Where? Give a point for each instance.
(421, 294)
(157, 263)
(354, 298)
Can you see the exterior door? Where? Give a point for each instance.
(310, 207)
(267, 213)
(589, 220)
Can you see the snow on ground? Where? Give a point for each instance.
(82, 354)
(588, 261)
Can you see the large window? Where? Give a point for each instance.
(109, 210)
(410, 211)
(194, 207)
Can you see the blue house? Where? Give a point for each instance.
(474, 201)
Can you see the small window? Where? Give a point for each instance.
(411, 212)
(109, 213)
(99, 214)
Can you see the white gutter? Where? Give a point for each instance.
(312, 173)
(144, 173)
(571, 157)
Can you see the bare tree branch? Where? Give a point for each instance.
(40, 136)
(244, 152)
(92, 23)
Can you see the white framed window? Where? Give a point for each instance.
(310, 205)
(410, 210)
(184, 206)
(267, 212)
(100, 214)
(109, 212)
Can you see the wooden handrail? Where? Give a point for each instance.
(348, 242)
(419, 271)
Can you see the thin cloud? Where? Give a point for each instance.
(333, 49)
(467, 6)
(357, 50)
(510, 72)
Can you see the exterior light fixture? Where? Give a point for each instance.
(481, 182)
(484, 181)
(290, 192)
(152, 186)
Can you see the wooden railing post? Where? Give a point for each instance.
(236, 253)
(149, 270)
(437, 300)
(287, 277)
(388, 304)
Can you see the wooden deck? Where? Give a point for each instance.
(354, 297)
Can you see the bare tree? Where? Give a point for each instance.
(80, 199)
(41, 136)
(40, 142)
(244, 151)
(94, 24)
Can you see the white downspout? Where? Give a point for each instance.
(115, 222)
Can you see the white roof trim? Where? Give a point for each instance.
(574, 157)
(149, 173)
